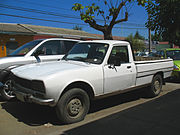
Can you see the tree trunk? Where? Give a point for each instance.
(108, 35)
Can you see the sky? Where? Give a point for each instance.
(58, 13)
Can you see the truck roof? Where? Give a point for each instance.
(59, 39)
(110, 42)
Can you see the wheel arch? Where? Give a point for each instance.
(162, 75)
(80, 84)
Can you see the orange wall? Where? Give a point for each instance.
(21, 39)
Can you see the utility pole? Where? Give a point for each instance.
(149, 31)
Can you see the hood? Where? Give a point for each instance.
(46, 69)
(177, 63)
(8, 61)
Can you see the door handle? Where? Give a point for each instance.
(128, 67)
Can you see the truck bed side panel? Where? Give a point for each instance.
(147, 69)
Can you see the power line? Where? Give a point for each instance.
(43, 5)
(33, 18)
(37, 11)
(59, 15)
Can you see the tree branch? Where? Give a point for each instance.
(117, 13)
(122, 20)
(94, 25)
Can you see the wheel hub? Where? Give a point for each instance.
(7, 88)
(74, 107)
(157, 85)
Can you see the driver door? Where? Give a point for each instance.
(122, 76)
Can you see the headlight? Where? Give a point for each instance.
(38, 86)
(176, 67)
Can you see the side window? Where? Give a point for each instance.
(120, 53)
(53, 47)
(68, 45)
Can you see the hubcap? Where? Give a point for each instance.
(7, 88)
(157, 85)
(74, 107)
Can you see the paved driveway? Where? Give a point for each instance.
(157, 117)
(125, 114)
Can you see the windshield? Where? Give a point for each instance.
(88, 52)
(23, 50)
(174, 54)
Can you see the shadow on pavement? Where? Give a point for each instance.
(116, 100)
(31, 114)
(35, 115)
(171, 80)
(156, 117)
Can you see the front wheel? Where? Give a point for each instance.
(6, 92)
(73, 106)
(156, 86)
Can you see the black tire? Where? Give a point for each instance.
(6, 92)
(156, 86)
(73, 106)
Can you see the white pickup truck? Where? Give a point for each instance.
(49, 50)
(92, 69)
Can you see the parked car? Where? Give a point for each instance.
(173, 53)
(143, 54)
(49, 50)
(92, 69)
(152, 54)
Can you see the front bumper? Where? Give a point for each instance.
(30, 96)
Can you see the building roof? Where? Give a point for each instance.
(9, 28)
(164, 43)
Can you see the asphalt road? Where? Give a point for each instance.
(127, 114)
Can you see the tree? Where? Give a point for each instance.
(138, 36)
(110, 14)
(164, 19)
(156, 37)
(77, 27)
(137, 43)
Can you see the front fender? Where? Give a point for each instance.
(4, 73)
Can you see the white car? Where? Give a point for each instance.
(92, 69)
(51, 49)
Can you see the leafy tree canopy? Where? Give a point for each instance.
(165, 19)
(109, 12)
(137, 42)
(138, 36)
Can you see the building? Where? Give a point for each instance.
(14, 35)
(164, 45)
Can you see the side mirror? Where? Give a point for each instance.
(36, 55)
(114, 61)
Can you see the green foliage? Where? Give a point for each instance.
(165, 19)
(77, 27)
(156, 37)
(136, 42)
(138, 36)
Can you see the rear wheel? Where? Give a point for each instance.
(6, 92)
(73, 106)
(156, 86)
